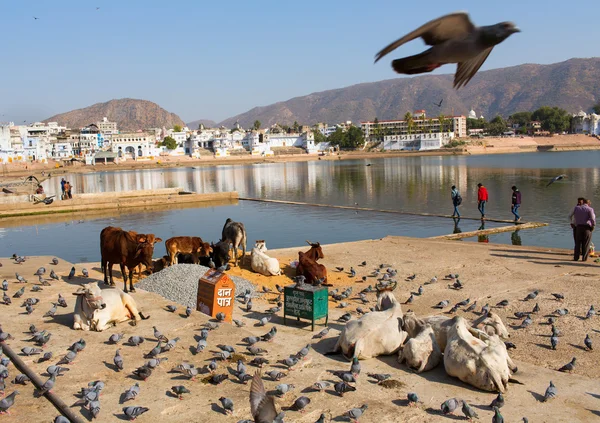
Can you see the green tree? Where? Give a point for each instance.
(319, 137)
(337, 137)
(296, 127)
(177, 128)
(285, 129)
(520, 118)
(496, 127)
(443, 123)
(476, 123)
(408, 118)
(169, 142)
(354, 137)
(256, 125)
(554, 119)
(596, 108)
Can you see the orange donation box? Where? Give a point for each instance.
(216, 294)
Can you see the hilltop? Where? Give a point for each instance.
(572, 85)
(130, 115)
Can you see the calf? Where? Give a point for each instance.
(262, 263)
(421, 352)
(220, 254)
(119, 246)
(315, 253)
(234, 233)
(187, 245)
(310, 269)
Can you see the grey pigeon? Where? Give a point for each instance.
(591, 312)
(6, 299)
(442, 304)
(118, 360)
(345, 376)
(170, 344)
(588, 342)
(48, 385)
(47, 356)
(453, 39)
(61, 419)
(61, 301)
(78, 346)
(94, 407)
(7, 402)
(342, 387)
(132, 392)
(554, 341)
(21, 379)
(468, 411)
(133, 412)
(53, 275)
(303, 352)
(172, 308)
(159, 336)
(289, 362)
(251, 339)
(115, 338)
(143, 372)
(179, 390)
(355, 413)
(218, 379)
(55, 261)
(531, 295)
(526, 322)
(52, 311)
(262, 406)
(412, 397)
(5, 285)
(536, 308)
(239, 323)
(71, 273)
(497, 418)
(227, 405)
(202, 344)
(19, 293)
(569, 367)
(321, 385)
(498, 401)
(322, 334)
(264, 320)
(450, 405)
(558, 296)
(68, 358)
(56, 370)
(379, 377)
(212, 366)
(40, 271)
(550, 392)
(275, 375)
(188, 311)
(27, 351)
(284, 388)
(153, 363)
(85, 273)
(135, 340)
(220, 316)
(300, 403)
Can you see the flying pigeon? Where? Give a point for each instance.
(262, 406)
(556, 178)
(453, 39)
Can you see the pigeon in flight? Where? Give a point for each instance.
(453, 39)
(556, 178)
(440, 103)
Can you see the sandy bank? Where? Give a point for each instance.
(490, 273)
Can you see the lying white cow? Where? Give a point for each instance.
(98, 309)
(376, 333)
(262, 263)
(489, 323)
(483, 363)
(421, 352)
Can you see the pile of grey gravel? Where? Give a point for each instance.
(179, 283)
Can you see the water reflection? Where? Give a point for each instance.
(515, 238)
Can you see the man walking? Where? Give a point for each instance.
(482, 198)
(62, 187)
(585, 221)
(456, 201)
(516, 203)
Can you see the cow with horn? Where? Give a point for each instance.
(308, 267)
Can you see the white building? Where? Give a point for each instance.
(419, 124)
(62, 149)
(586, 124)
(417, 142)
(107, 128)
(133, 145)
(262, 143)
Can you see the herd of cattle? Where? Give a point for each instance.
(132, 251)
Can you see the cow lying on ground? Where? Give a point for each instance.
(261, 262)
(188, 245)
(420, 352)
(308, 266)
(234, 233)
(481, 361)
(489, 323)
(376, 333)
(98, 309)
(119, 246)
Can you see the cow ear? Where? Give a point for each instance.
(141, 239)
(400, 322)
(80, 291)
(157, 240)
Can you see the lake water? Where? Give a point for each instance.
(413, 184)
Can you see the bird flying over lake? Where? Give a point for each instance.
(36, 20)
(453, 39)
(556, 178)
(440, 103)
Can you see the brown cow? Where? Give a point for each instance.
(150, 238)
(119, 246)
(310, 269)
(315, 253)
(188, 245)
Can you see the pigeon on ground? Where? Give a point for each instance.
(172, 308)
(132, 392)
(556, 178)
(300, 403)
(94, 407)
(239, 323)
(498, 401)
(554, 341)
(558, 297)
(284, 388)
(5, 285)
(413, 398)
(502, 303)
(591, 312)
(135, 340)
(19, 293)
(453, 39)
(561, 311)
(7, 402)
(61, 301)
(47, 385)
(218, 379)
(143, 372)
(68, 358)
(55, 261)
(468, 411)
(275, 375)
(321, 385)
(342, 387)
(450, 405)
(550, 392)
(21, 379)
(27, 351)
(588, 342)
(569, 367)
(61, 419)
(72, 273)
(53, 275)
(497, 417)
(179, 390)
(52, 311)
(442, 304)
(188, 311)
(118, 360)
(379, 377)
(133, 412)
(355, 413)
(85, 273)
(227, 405)
(159, 336)
(56, 370)
(510, 346)
(78, 346)
(46, 357)
(115, 338)
(531, 295)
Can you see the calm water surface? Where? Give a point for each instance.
(415, 184)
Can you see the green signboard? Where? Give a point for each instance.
(308, 302)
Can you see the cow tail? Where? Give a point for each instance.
(142, 316)
(512, 380)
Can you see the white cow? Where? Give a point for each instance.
(422, 351)
(262, 263)
(481, 360)
(491, 324)
(98, 309)
(376, 333)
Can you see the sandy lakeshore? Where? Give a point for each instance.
(490, 273)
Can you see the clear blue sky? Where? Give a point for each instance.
(215, 59)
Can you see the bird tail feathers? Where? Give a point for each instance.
(419, 63)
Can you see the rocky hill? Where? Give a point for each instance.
(207, 123)
(130, 115)
(572, 85)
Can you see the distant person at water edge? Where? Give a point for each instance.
(67, 188)
(456, 201)
(62, 187)
(516, 203)
(585, 222)
(482, 198)
(580, 201)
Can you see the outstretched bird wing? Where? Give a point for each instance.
(435, 32)
(262, 406)
(466, 70)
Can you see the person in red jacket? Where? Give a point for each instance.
(482, 198)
